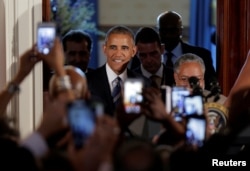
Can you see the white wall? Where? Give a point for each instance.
(139, 12)
(2, 45)
(18, 27)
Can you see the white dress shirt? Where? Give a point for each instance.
(148, 74)
(112, 76)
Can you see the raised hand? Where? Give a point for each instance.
(154, 109)
(55, 58)
(153, 106)
(99, 148)
(27, 62)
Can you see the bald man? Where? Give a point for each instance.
(170, 28)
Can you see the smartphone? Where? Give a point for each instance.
(46, 33)
(166, 97)
(193, 105)
(133, 98)
(195, 130)
(82, 118)
(177, 101)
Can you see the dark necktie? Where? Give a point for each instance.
(116, 93)
(156, 81)
(169, 63)
(169, 69)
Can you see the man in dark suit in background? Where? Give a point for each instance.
(170, 28)
(77, 46)
(149, 52)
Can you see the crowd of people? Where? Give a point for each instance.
(85, 126)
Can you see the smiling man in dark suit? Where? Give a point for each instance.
(119, 48)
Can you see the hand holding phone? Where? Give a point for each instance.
(46, 34)
(82, 119)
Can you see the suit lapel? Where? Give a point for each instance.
(105, 86)
(184, 48)
(131, 74)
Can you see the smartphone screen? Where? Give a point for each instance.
(193, 105)
(166, 97)
(177, 101)
(82, 121)
(46, 33)
(196, 131)
(133, 95)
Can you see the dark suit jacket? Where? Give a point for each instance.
(99, 87)
(205, 54)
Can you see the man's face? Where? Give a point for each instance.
(170, 30)
(119, 49)
(187, 70)
(77, 54)
(150, 56)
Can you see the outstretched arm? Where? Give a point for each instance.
(55, 59)
(241, 82)
(27, 63)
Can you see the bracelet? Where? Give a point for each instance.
(63, 83)
(13, 88)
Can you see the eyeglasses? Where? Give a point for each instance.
(185, 79)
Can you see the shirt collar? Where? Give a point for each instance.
(148, 74)
(112, 75)
(177, 52)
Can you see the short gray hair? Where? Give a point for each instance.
(188, 57)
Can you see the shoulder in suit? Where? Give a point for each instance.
(98, 86)
(167, 79)
(133, 74)
(89, 70)
(137, 70)
(134, 63)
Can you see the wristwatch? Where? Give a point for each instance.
(13, 88)
(63, 83)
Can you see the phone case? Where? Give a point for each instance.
(46, 33)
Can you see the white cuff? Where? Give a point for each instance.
(36, 144)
